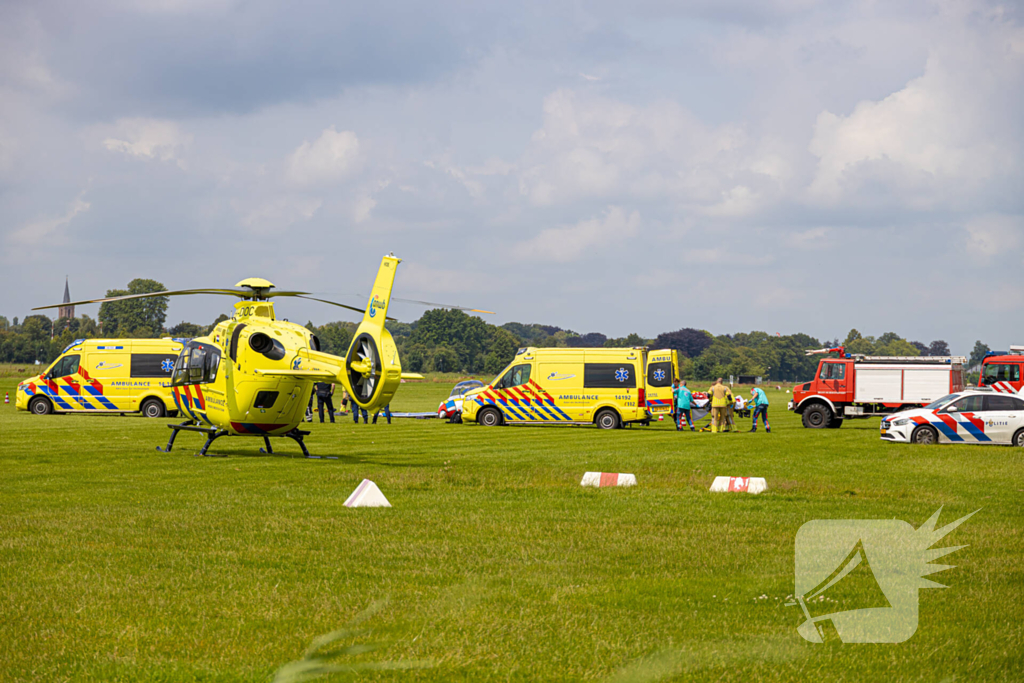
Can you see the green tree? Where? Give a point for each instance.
(501, 349)
(135, 317)
(335, 337)
(978, 354)
(445, 359)
(186, 330)
(466, 335)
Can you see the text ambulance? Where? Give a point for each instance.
(105, 376)
(602, 386)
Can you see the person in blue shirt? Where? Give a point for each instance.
(684, 401)
(760, 404)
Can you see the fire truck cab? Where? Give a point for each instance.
(853, 386)
(1003, 372)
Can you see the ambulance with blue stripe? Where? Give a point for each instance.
(607, 387)
(105, 376)
(978, 416)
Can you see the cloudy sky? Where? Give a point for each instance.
(781, 165)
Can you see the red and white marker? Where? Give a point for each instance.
(599, 479)
(367, 495)
(7, 397)
(740, 484)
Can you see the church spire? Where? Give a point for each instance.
(66, 311)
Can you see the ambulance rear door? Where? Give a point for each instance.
(613, 378)
(662, 368)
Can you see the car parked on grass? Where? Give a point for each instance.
(451, 409)
(972, 416)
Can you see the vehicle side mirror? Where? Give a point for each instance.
(951, 409)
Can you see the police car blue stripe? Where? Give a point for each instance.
(949, 432)
(974, 431)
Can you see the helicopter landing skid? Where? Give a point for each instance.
(296, 435)
(212, 433)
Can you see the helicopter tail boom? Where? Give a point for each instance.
(380, 296)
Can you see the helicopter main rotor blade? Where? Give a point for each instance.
(323, 301)
(170, 292)
(270, 295)
(451, 306)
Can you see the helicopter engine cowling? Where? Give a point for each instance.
(373, 368)
(263, 344)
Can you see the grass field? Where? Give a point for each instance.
(118, 562)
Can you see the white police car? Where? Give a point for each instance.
(970, 416)
(451, 409)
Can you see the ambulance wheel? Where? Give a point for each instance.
(489, 417)
(1018, 438)
(924, 436)
(817, 416)
(607, 419)
(40, 406)
(152, 407)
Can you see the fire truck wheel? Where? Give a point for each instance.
(817, 416)
(835, 423)
(1018, 438)
(607, 419)
(489, 417)
(40, 406)
(924, 436)
(152, 407)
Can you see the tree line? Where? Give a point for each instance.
(451, 341)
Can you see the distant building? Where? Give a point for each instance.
(66, 311)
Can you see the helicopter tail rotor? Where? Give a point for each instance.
(372, 366)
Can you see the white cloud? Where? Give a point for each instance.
(362, 208)
(990, 236)
(273, 214)
(590, 147)
(569, 243)
(330, 158)
(46, 231)
(936, 142)
(148, 138)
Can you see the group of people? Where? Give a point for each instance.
(324, 392)
(724, 407)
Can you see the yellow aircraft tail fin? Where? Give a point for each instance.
(380, 295)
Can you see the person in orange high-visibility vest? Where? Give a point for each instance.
(719, 394)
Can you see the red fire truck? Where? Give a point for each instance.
(1002, 372)
(857, 386)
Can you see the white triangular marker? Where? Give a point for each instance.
(367, 495)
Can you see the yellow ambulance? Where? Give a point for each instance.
(105, 376)
(606, 387)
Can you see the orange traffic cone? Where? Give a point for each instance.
(7, 397)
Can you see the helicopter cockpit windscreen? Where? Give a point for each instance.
(197, 364)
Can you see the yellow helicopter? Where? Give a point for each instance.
(253, 374)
